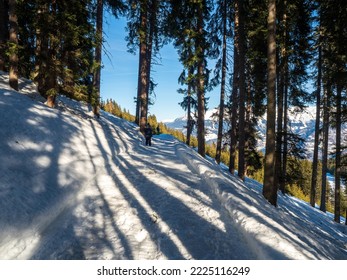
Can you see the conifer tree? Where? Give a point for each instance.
(189, 103)
(294, 27)
(326, 119)
(242, 90)
(269, 188)
(116, 7)
(337, 206)
(98, 49)
(59, 47)
(13, 44)
(220, 32)
(3, 33)
(200, 56)
(187, 22)
(333, 42)
(317, 124)
(144, 25)
(234, 104)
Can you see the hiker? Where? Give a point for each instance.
(148, 135)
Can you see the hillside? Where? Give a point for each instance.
(75, 187)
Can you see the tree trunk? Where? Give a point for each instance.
(41, 50)
(269, 188)
(326, 110)
(53, 64)
(98, 51)
(279, 135)
(13, 41)
(285, 132)
(337, 212)
(189, 117)
(152, 27)
(222, 90)
(316, 133)
(3, 33)
(138, 96)
(242, 92)
(280, 101)
(234, 94)
(143, 68)
(200, 83)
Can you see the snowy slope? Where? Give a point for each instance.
(72, 187)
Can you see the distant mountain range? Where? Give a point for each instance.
(301, 123)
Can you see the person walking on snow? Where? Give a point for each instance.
(148, 135)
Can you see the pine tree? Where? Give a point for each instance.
(333, 42)
(269, 188)
(3, 33)
(294, 54)
(317, 124)
(189, 102)
(219, 29)
(242, 90)
(282, 71)
(116, 7)
(337, 208)
(326, 112)
(98, 49)
(13, 44)
(234, 104)
(255, 79)
(145, 26)
(58, 46)
(187, 22)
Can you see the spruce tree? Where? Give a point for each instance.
(189, 102)
(242, 90)
(3, 33)
(145, 20)
(234, 97)
(13, 44)
(294, 55)
(220, 32)
(317, 123)
(98, 49)
(187, 22)
(269, 188)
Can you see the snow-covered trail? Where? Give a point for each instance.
(175, 214)
(72, 187)
(90, 189)
(144, 203)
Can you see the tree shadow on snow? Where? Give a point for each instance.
(33, 197)
(200, 238)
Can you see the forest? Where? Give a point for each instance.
(271, 56)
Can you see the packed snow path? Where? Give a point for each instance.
(99, 193)
(72, 187)
(145, 203)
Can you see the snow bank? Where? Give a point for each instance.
(265, 227)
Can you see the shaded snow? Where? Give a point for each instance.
(73, 187)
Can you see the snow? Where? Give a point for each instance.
(76, 187)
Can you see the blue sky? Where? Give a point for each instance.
(120, 71)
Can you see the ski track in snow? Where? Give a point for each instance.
(73, 187)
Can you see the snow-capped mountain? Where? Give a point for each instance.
(211, 125)
(301, 123)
